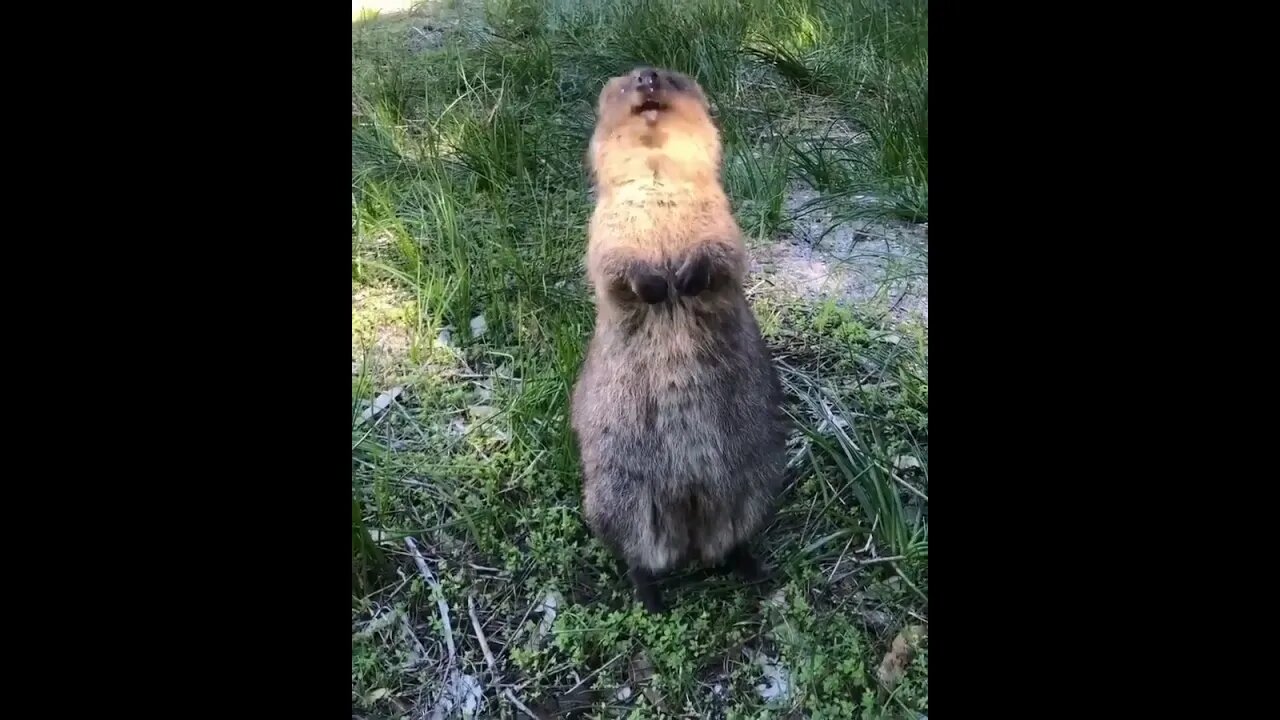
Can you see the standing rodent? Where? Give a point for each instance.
(677, 410)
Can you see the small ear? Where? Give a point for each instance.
(589, 160)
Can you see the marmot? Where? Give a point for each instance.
(677, 411)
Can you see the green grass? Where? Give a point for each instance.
(469, 201)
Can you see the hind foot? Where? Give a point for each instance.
(742, 563)
(647, 590)
(647, 283)
(694, 274)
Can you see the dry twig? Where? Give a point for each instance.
(492, 662)
(440, 603)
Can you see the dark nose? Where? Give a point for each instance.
(647, 80)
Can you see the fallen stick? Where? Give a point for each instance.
(440, 603)
(492, 662)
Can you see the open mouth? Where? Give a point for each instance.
(649, 110)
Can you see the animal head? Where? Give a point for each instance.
(654, 112)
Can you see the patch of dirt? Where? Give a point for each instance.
(424, 25)
(366, 8)
(881, 264)
(379, 326)
(894, 665)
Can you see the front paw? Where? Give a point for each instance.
(694, 275)
(646, 283)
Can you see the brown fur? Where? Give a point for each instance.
(677, 409)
